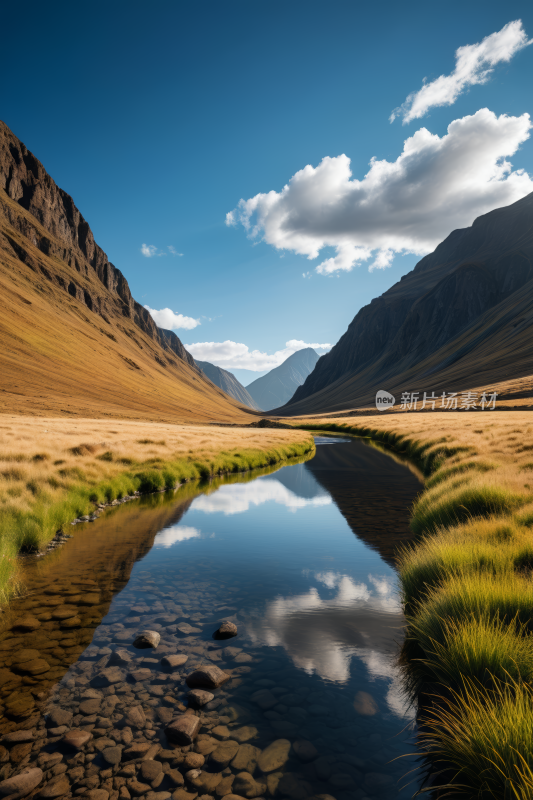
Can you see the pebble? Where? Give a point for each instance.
(147, 639)
(274, 756)
(200, 697)
(21, 784)
(226, 630)
(173, 662)
(56, 787)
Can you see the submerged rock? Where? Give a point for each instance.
(200, 696)
(209, 676)
(147, 639)
(183, 729)
(22, 784)
(226, 630)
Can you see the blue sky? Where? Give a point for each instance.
(158, 118)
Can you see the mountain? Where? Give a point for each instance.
(73, 339)
(461, 319)
(228, 383)
(278, 386)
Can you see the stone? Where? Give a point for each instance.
(246, 758)
(146, 639)
(274, 756)
(113, 755)
(273, 779)
(136, 788)
(137, 750)
(76, 738)
(322, 768)
(264, 699)
(225, 785)
(99, 794)
(183, 729)
(58, 717)
(34, 667)
(200, 697)
(120, 658)
(165, 715)
(56, 787)
(244, 785)
(25, 655)
(182, 794)
(293, 786)
(341, 780)
(172, 662)
(206, 746)
(135, 717)
(140, 675)
(221, 732)
(22, 784)
(209, 676)
(107, 677)
(244, 734)
(124, 794)
(193, 761)
(365, 704)
(17, 737)
(89, 707)
(187, 629)
(226, 630)
(206, 782)
(20, 751)
(223, 754)
(305, 751)
(175, 777)
(150, 770)
(26, 624)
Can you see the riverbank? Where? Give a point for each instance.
(467, 593)
(53, 470)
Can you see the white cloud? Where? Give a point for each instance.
(150, 250)
(237, 498)
(409, 205)
(474, 63)
(170, 536)
(235, 355)
(168, 319)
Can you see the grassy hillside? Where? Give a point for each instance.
(467, 592)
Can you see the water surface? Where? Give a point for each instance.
(301, 560)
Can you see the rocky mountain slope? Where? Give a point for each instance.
(462, 318)
(278, 386)
(73, 339)
(228, 383)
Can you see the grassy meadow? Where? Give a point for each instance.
(467, 591)
(54, 470)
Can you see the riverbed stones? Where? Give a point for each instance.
(113, 755)
(91, 706)
(187, 629)
(274, 756)
(244, 734)
(107, 677)
(226, 630)
(76, 738)
(305, 751)
(172, 662)
(56, 787)
(205, 782)
(22, 784)
(150, 770)
(223, 754)
(246, 758)
(146, 639)
(244, 785)
(26, 624)
(200, 697)
(17, 737)
(140, 675)
(58, 717)
(183, 729)
(175, 777)
(207, 676)
(193, 761)
(265, 699)
(135, 717)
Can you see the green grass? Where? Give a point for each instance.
(488, 738)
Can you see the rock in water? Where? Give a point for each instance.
(147, 639)
(170, 663)
(76, 738)
(200, 697)
(183, 729)
(22, 784)
(209, 676)
(274, 756)
(226, 630)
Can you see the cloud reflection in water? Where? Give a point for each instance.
(177, 533)
(361, 621)
(238, 497)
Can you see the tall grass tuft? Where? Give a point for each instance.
(487, 737)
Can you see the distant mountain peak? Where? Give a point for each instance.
(278, 386)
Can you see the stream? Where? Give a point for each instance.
(300, 558)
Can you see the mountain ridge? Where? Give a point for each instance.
(228, 383)
(435, 324)
(278, 386)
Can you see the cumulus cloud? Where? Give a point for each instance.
(474, 63)
(150, 250)
(409, 205)
(235, 355)
(168, 319)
